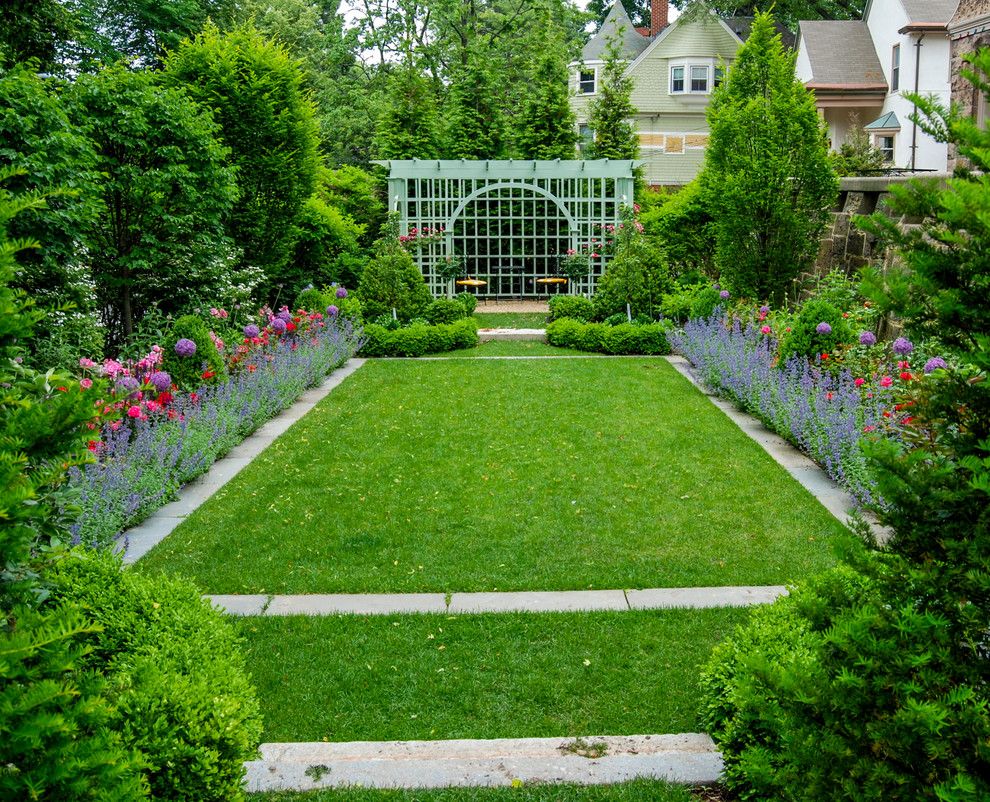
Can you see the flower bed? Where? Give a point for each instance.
(826, 414)
(143, 459)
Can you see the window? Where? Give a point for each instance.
(719, 77)
(699, 79)
(895, 69)
(676, 79)
(885, 142)
(586, 82)
(586, 137)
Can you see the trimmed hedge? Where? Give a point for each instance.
(177, 683)
(445, 310)
(627, 338)
(573, 306)
(420, 339)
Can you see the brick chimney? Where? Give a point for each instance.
(659, 16)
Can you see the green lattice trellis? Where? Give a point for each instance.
(510, 221)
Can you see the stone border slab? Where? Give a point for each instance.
(489, 335)
(139, 540)
(801, 467)
(554, 601)
(689, 758)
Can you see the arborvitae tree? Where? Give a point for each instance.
(767, 175)
(611, 112)
(475, 123)
(408, 127)
(546, 128)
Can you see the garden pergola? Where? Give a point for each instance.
(511, 222)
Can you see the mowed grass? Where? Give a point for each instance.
(638, 791)
(511, 348)
(429, 677)
(504, 475)
(511, 320)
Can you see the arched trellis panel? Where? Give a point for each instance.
(510, 221)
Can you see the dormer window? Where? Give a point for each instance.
(719, 77)
(587, 81)
(694, 79)
(699, 79)
(676, 79)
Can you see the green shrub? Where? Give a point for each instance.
(706, 300)
(572, 306)
(624, 338)
(178, 683)
(469, 300)
(310, 299)
(805, 340)
(390, 281)
(419, 339)
(684, 224)
(444, 310)
(326, 242)
(187, 372)
(636, 277)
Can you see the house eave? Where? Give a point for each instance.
(925, 27)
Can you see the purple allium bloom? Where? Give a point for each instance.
(724, 295)
(185, 347)
(284, 315)
(127, 386)
(278, 325)
(867, 338)
(823, 328)
(935, 363)
(341, 292)
(250, 330)
(160, 380)
(903, 346)
(765, 310)
(332, 310)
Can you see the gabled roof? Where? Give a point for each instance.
(656, 41)
(939, 11)
(742, 26)
(842, 55)
(632, 42)
(888, 122)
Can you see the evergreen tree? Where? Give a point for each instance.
(475, 123)
(407, 126)
(767, 176)
(547, 128)
(611, 112)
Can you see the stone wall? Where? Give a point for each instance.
(966, 36)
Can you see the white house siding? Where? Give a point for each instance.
(840, 121)
(802, 67)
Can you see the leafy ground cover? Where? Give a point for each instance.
(638, 791)
(511, 320)
(426, 677)
(505, 475)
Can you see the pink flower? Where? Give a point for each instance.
(766, 330)
(134, 412)
(86, 383)
(859, 382)
(886, 381)
(86, 363)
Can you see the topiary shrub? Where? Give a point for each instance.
(818, 328)
(704, 303)
(444, 310)
(622, 338)
(573, 306)
(177, 681)
(190, 368)
(419, 339)
(469, 300)
(311, 299)
(390, 281)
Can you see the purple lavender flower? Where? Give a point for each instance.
(250, 330)
(867, 338)
(823, 328)
(935, 363)
(278, 325)
(332, 310)
(724, 295)
(185, 347)
(160, 380)
(902, 346)
(127, 386)
(341, 293)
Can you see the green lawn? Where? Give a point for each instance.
(511, 320)
(639, 791)
(511, 348)
(504, 475)
(428, 677)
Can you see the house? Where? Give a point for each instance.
(674, 67)
(860, 70)
(969, 30)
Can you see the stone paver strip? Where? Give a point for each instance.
(487, 335)
(357, 604)
(138, 541)
(688, 758)
(700, 598)
(801, 467)
(241, 605)
(538, 601)
(556, 601)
